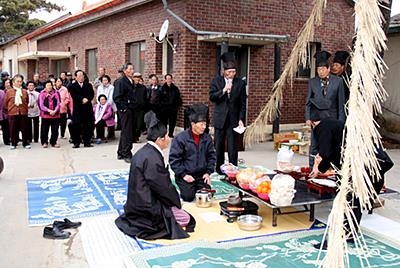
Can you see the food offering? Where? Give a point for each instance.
(264, 189)
(231, 171)
(246, 177)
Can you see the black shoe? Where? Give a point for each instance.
(120, 157)
(55, 233)
(128, 160)
(75, 146)
(66, 224)
(87, 145)
(324, 246)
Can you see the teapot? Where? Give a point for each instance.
(204, 197)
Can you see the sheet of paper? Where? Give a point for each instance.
(239, 129)
(211, 217)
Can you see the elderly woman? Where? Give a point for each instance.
(103, 116)
(16, 104)
(65, 105)
(49, 103)
(3, 115)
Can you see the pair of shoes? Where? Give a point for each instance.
(55, 233)
(127, 160)
(28, 146)
(88, 145)
(13, 147)
(45, 145)
(55, 145)
(323, 246)
(66, 224)
(75, 146)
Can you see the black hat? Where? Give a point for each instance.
(319, 108)
(228, 59)
(4, 74)
(198, 114)
(322, 58)
(341, 57)
(155, 129)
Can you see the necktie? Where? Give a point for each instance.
(324, 84)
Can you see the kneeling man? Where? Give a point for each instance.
(192, 157)
(153, 208)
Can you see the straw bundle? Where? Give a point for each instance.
(358, 153)
(257, 130)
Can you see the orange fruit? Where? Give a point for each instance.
(259, 189)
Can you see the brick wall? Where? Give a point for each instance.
(194, 62)
(44, 68)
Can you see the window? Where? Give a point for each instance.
(136, 55)
(10, 67)
(306, 71)
(168, 57)
(91, 63)
(58, 66)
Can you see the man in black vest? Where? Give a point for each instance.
(229, 95)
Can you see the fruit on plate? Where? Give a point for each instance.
(305, 170)
(264, 187)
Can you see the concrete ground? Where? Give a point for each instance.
(23, 246)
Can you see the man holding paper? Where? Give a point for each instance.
(229, 95)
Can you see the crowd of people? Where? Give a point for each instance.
(31, 109)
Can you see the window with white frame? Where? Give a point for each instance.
(91, 63)
(136, 55)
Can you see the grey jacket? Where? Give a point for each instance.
(335, 93)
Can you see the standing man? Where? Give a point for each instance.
(330, 89)
(192, 157)
(82, 115)
(339, 68)
(170, 100)
(229, 95)
(138, 105)
(123, 97)
(100, 73)
(38, 85)
(152, 94)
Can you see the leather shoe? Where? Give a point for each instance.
(55, 233)
(87, 145)
(66, 224)
(120, 157)
(127, 160)
(75, 146)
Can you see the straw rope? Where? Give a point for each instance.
(361, 130)
(256, 132)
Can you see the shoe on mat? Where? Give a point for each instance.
(55, 233)
(66, 224)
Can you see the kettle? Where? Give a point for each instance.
(204, 198)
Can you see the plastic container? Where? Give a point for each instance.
(263, 196)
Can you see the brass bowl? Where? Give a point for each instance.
(249, 222)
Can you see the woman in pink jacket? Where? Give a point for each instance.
(65, 105)
(49, 104)
(103, 115)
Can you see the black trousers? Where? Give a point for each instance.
(33, 128)
(100, 130)
(49, 124)
(313, 149)
(63, 124)
(6, 131)
(126, 138)
(219, 139)
(188, 190)
(18, 123)
(168, 117)
(138, 115)
(82, 129)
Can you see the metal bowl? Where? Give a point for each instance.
(249, 222)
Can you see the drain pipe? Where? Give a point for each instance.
(281, 38)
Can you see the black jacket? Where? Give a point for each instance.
(82, 112)
(169, 98)
(128, 95)
(234, 105)
(329, 136)
(186, 158)
(151, 195)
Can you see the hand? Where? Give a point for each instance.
(314, 173)
(207, 179)
(52, 112)
(241, 123)
(188, 178)
(84, 100)
(227, 88)
(308, 123)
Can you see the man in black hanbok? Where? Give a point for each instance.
(153, 209)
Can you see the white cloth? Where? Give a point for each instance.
(98, 115)
(33, 101)
(18, 96)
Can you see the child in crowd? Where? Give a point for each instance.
(103, 115)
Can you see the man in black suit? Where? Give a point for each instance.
(341, 69)
(82, 115)
(330, 89)
(229, 95)
(124, 97)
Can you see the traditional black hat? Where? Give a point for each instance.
(228, 59)
(322, 58)
(155, 129)
(341, 57)
(319, 108)
(198, 113)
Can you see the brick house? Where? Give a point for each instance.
(118, 31)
